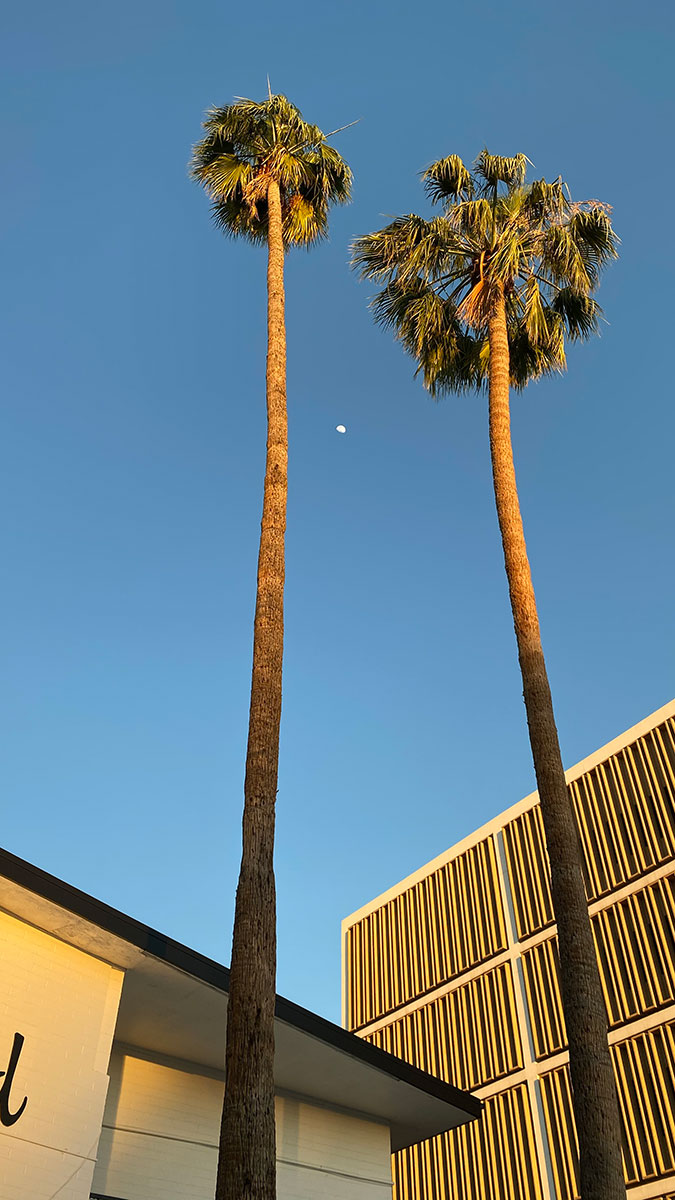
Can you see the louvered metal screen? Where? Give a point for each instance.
(635, 942)
(449, 921)
(625, 810)
(452, 922)
(490, 1159)
(645, 1069)
(468, 1037)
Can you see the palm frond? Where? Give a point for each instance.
(534, 316)
(463, 366)
(241, 220)
(225, 176)
(508, 257)
(408, 246)
(562, 259)
(416, 312)
(528, 360)
(428, 328)
(329, 176)
(474, 219)
(304, 222)
(448, 179)
(591, 229)
(579, 312)
(546, 201)
(291, 169)
(494, 169)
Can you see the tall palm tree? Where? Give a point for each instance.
(484, 296)
(272, 178)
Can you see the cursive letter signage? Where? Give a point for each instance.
(7, 1117)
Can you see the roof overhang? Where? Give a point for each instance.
(174, 1003)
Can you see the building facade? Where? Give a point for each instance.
(455, 969)
(112, 1044)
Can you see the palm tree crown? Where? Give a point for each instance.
(248, 144)
(497, 235)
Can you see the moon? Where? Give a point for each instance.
(341, 428)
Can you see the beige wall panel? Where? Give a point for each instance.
(334, 1141)
(141, 1166)
(146, 1094)
(296, 1183)
(64, 1004)
(42, 1173)
(161, 1134)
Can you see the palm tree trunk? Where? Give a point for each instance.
(247, 1160)
(594, 1090)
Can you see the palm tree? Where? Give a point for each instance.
(272, 178)
(484, 296)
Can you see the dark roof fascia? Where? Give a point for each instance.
(137, 934)
(34, 879)
(342, 1039)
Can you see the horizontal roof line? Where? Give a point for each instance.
(135, 933)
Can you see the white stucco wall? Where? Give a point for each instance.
(328, 1154)
(160, 1133)
(64, 1004)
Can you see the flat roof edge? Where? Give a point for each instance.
(143, 937)
(350, 1043)
(105, 917)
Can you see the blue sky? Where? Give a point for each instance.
(132, 447)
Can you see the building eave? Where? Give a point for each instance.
(174, 1002)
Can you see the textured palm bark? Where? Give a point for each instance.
(247, 1160)
(594, 1091)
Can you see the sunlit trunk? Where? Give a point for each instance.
(247, 1161)
(594, 1091)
